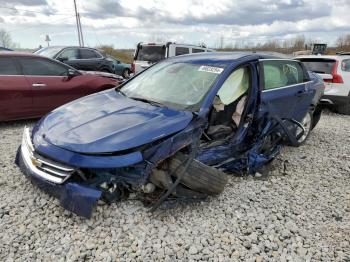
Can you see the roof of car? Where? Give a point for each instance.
(68, 46)
(16, 53)
(322, 56)
(223, 57)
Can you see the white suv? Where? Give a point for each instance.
(335, 71)
(147, 54)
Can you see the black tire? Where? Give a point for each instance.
(199, 177)
(105, 70)
(316, 116)
(126, 73)
(308, 128)
(343, 109)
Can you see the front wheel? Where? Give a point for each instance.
(307, 123)
(126, 73)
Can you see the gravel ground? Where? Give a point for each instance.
(302, 214)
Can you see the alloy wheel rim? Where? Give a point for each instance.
(306, 123)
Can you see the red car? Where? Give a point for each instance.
(32, 85)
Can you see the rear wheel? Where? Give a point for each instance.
(105, 70)
(307, 123)
(199, 177)
(343, 109)
(316, 116)
(126, 73)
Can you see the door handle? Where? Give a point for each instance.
(300, 93)
(38, 85)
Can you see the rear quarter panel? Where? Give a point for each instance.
(318, 85)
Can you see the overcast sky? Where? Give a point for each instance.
(123, 23)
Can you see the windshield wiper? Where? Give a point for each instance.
(121, 92)
(153, 103)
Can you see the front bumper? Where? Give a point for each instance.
(52, 178)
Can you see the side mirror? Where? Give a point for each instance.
(62, 59)
(71, 73)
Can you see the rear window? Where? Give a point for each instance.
(182, 51)
(195, 50)
(321, 66)
(8, 66)
(88, 54)
(345, 65)
(150, 53)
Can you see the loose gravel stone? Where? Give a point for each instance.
(298, 209)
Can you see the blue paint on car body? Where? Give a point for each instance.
(115, 139)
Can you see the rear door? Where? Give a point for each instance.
(285, 88)
(89, 60)
(49, 83)
(15, 93)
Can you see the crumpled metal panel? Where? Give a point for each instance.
(79, 199)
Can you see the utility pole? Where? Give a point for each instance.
(78, 22)
(81, 31)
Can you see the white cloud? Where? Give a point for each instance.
(126, 22)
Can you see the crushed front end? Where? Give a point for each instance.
(77, 188)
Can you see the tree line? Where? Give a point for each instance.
(287, 46)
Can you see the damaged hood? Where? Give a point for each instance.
(108, 122)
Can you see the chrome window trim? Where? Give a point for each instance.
(283, 87)
(11, 75)
(42, 76)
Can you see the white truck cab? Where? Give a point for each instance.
(147, 54)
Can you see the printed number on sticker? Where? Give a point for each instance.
(211, 69)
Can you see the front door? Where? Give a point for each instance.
(51, 87)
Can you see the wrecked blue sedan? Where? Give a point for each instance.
(174, 131)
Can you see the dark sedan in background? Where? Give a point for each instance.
(85, 58)
(32, 85)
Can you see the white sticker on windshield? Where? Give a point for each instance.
(211, 69)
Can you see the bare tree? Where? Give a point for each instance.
(343, 41)
(6, 40)
(299, 42)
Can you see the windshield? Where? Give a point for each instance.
(178, 85)
(48, 51)
(150, 53)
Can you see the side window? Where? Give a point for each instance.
(235, 85)
(280, 73)
(8, 66)
(196, 50)
(345, 65)
(41, 67)
(97, 54)
(88, 54)
(70, 54)
(181, 51)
